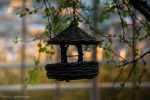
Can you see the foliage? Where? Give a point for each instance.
(81, 13)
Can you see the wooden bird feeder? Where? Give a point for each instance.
(72, 35)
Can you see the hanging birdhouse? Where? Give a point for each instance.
(72, 35)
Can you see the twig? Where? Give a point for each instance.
(129, 62)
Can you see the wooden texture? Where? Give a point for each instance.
(73, 35)
(72, 71)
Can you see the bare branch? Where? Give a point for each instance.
(142, 7)
(129, 62)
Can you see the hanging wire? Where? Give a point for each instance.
(50, 19)
(74, 9)
(74, 12)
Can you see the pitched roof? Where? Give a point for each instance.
(73, 35)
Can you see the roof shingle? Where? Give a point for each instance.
(73, 35)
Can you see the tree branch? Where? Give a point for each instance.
(142, 7)
(141, 57)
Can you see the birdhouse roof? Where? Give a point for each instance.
(73, 35)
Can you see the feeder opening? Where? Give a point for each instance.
(72, 53)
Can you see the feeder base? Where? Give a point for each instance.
(72, 71)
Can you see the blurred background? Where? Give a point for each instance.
(17, 59)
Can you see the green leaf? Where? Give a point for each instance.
(107, 54)
(46, 9)
(22, 15)
(122, 85)
(52, 53)
(42, 49)
(34, 77)
(35, 11)
(98, 1)
(100, 19)
(133, 78)
(47, 34)
(25, 87)
(137, 87)
(41, 69)
(16, 40)
(36, 62)
(27, 9)
(39, 45)
(30, 12)
(30, 72)
(124, 14)
(47, 52)
(38, 1)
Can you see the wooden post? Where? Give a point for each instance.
(23, 51)
(94, 88)
(64, 53)
(80, 53)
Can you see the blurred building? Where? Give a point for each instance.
(10, 28)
